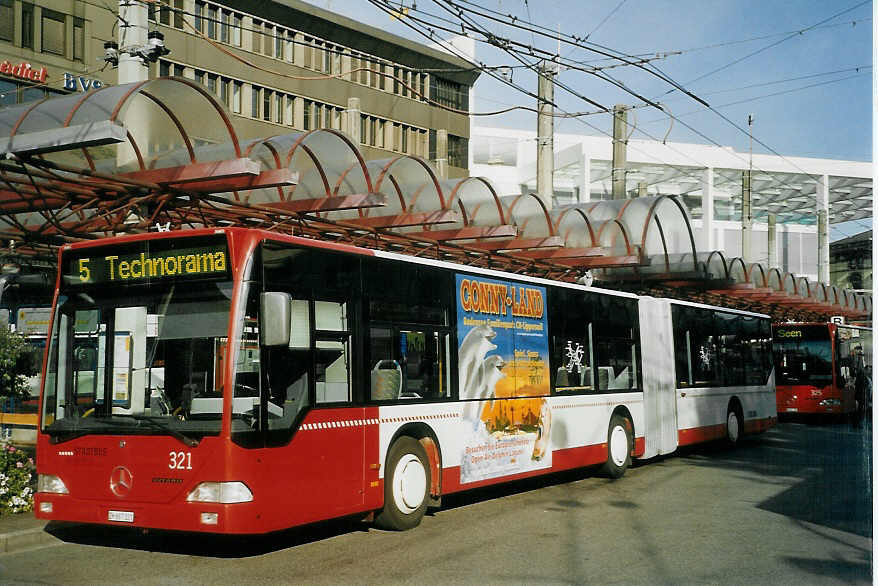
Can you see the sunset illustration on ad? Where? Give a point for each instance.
(502, 353)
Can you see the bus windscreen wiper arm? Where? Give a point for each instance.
(191, 442)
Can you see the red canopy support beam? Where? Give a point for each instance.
(284, 177)
(602, 262)
(209, 171)
(410, 219)
(326, 204)
(559, 253)
(519, 244)
(468, 232)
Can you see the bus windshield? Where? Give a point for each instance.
(141, 359)
(803, 361)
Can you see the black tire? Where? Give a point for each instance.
(620, 442)
(406, 486)
(734, 425)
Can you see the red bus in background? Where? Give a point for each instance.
(822, 368)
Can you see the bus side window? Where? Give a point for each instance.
(408, 363)
(615, 333)
(570, 316)
(332, 360)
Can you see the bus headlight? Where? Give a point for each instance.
(220, 492)
(51, 483)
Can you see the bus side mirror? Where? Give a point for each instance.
(275, 315)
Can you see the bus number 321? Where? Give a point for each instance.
(180, 460)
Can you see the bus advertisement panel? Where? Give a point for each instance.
(503, 352)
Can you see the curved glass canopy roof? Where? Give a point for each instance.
(165, 153)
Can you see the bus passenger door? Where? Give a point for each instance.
(328, 445)
(659, 381)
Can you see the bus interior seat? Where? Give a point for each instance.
(386, 380)
(620, 381)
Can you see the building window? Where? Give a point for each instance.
(266, 105)
(309, 53)
(225, 17)
(257, 36)
(449, 93)
(53, 39)
(178, 14)
(78, 39)
(288, 111)
(236, 97)
(27, 25)
(212, 78)
(225, 82)
(7, 20)
(165, 15)
(279, 44)
(267, 40)
(279, 108)
(199, 76)
(164, 68)
(458, 151)
(178, 70)
(211, 21)
(291, 46)
(199, 16)
(237, 24)
(306, 124)
(254, 101)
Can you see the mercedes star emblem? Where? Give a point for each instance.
(121, 481)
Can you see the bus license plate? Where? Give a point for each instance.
(123, 516)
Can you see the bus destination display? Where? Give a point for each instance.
(107, 266)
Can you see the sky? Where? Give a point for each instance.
(801, 68)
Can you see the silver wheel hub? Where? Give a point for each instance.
(733, 425)
(618, 445)
(409, 483)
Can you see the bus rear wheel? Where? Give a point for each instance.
(619, 445)
(406, 486)
(734, 423)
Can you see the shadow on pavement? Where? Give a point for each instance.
(218, 546)
(832, 460)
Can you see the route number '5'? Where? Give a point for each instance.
(84, 272)
(180, 460)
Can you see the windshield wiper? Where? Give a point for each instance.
(158, 424)
(60, 434)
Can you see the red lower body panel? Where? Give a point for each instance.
(696, 435)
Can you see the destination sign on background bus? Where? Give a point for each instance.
(147, 261)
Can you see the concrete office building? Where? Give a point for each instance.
(279, 67)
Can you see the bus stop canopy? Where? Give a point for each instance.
(164, 154)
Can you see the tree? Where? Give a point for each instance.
(16, 364)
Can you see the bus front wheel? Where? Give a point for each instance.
(619, 444)
(406, 485)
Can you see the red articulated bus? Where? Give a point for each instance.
(822, 368)
(241, 381)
